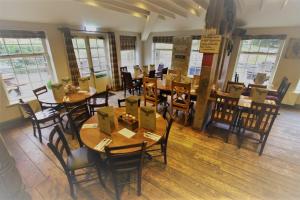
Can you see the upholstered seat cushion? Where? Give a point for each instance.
(275, 98)
(80, 158)
(96, 101)
(46, 114)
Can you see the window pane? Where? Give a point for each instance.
(94, 53)
(26, 49)
(195, 59)
(262, 58)
(2, 50)
(13, 49)
(93, 43)
(38, 48)
(80, 43)
(128, 59)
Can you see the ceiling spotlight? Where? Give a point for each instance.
(90, 28)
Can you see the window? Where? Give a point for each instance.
(162, 54)
(298, 87)
(128, 59)
(96, 47)
(195, 59)
(257, 55)
(24, 66)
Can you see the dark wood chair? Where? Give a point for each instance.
(181, 99)
(70, 105)
(98, 100)
(162, 151)
(44, 105)
(225, 111)
(281, 91)
(230, 83)
(73, 160)
(42, 119)
(123, 69)
(257, 119)
(77, 116)
(129, 84)
(152, 74)
(161, 73)
(125, 164)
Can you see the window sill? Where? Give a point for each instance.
(14, 103)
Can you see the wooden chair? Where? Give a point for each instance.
(281, 91)
(123, 69)
(152, 74)
(150, 91)
(129, 84)
(125, 164)
(230, 83)
(74, 160)
(161, 73)
(181, 98)
(77, 116)
(164, 140)
(257, 119)
(98, 100)
(225, 111)
(44, 105)
(38, 119)
(250, 86)
(70, 105)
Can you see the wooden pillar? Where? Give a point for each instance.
(220, 16)
(11, 185)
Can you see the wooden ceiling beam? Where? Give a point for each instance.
(166, 5)
(202, 3)
(187, 6)
(149, 25)
(147, 6)
(284, 3)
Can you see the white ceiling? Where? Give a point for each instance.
(255, 13)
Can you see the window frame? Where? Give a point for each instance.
(23, 56)
(154, 49)
(257, 53)
(131, 67)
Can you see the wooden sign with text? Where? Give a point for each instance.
(210, 44)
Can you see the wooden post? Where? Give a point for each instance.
(220, 16)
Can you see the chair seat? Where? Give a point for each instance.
(275, 98)
(80, 158)
(96, 101)
(46, 114)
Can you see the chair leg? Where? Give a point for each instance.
(186, 117)
(61, 124)
(116, 187)
(139, 182)
(34, 129)
(263, 144)
(40, 133)
(98, 168)
(165, 155)
(72, 191)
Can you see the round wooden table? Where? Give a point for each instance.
(48, 97)
(92, 136)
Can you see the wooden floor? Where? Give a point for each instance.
(198, 167)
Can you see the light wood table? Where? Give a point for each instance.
(48, 97)
(92, 136)
(161, 85)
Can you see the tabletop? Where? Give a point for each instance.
(92, 136)
(161, 85)
(48, 97)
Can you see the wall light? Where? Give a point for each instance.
(90, 28)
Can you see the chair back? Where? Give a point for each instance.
(160, 67)
(65, 81)
(168, 117)
(70, 105)
(129, 161)
(137, 70)
(173, 71)
(196, 80)
(225, 109)
(283, 82)
(180, 95)
(152, 74)
(27, 109)
(145, 70)
(77, 116)
(282, 91)
(231, 83)
(236, 90)
(124, 69)
(152, 67)
(150, 90)
(127, 80)
(39, 91)
(58, 90)
(164, 71)
(59, 146)
(260, 117)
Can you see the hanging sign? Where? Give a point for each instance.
(210, 43)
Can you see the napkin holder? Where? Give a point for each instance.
(84, 84)
(106, 121)
(132, 106)
(258, 95)
(236, 91)
(58, 90)
(145, 70)
(148, 118)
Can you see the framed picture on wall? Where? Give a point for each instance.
(293, 49)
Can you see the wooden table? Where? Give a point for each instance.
(92, 136)
(48, 97)
(161, 85)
